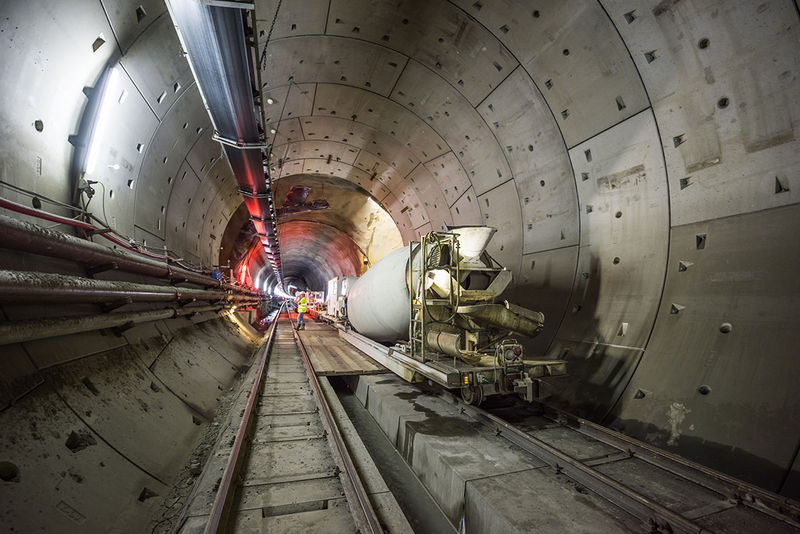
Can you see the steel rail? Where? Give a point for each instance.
(656, 516)
(220, 510)
(364, 514)
(774, 505)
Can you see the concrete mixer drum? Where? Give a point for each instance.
(438, 300)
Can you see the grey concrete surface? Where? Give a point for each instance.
(99, 443)
(481, 481)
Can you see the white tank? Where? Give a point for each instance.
(378, 304)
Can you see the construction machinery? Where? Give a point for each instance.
(433, 310)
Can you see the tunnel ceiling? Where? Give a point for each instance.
(639, 159)
(331, 205)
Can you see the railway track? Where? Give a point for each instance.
(289, 443)
(658, 491)
(665, 492)
(290, 468)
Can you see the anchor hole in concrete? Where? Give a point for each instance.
(100, 41)
(9, 472)
(77, 441)
(147, 494)
(90, 385)
(700, 241)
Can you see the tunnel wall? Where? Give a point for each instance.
(98, 427)
(164, 181)
(639, 160)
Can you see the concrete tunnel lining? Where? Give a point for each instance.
(637, 158)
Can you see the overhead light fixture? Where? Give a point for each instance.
(270, 101)
(109, 89)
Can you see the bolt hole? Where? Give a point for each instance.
(703, 43)
(565, 51)
(90, 385)
(79, 441)
(615, 261)
(39, 125)
(536, 14)
(36, 203)
(147, 494)
(618, 214)
(704, 390)
(97, 43)
(723, 102)
(9, 472)
(541, 183)
(726, 328)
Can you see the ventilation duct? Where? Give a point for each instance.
(212, 35)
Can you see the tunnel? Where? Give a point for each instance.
(638, 159)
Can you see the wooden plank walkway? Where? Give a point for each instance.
(331, 356)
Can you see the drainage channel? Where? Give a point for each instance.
(419, 507)
(516, 470)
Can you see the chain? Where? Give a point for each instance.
(269, 36)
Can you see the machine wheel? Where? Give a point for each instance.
(472, 395)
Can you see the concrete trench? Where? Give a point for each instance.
(482, 482)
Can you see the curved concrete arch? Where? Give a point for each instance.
(639, 159)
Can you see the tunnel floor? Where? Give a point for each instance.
(431, 463)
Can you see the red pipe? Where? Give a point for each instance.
(40, 214)
(25, 210)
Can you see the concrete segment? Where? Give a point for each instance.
(537, 502)
(444, 448)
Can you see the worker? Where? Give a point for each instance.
(302, 307)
